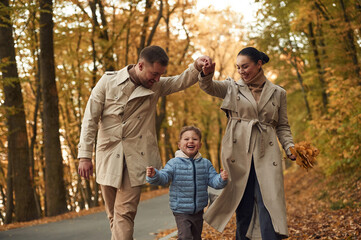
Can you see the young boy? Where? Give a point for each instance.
(190, 175)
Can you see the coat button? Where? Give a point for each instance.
(238, 98)
(234, 140)
(118, 155)
(142, 153)
(122, 107)
(140, 136)
(123, 138)
(274, 164)
(233, 160)
(271, 143)
(124, 122)
(273, 104)
(138, 117)
(116, 98)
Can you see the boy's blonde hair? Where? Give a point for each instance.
(190, 128)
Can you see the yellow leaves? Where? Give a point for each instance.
(305, 154)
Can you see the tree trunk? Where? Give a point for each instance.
(37, 93)
(205, 138)
(143, 36)
(103, 32)
(156, 23)
(18, 148)
(9, 195)
(320, 71)
(348, 37)
(54, 185)
(161, 115)
(3, 197)
(352, 51)
(299, 78)
(108, 58)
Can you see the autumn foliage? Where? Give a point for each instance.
(315, 53)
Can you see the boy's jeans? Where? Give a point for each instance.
(189, 225)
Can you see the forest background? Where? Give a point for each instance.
(53, 53)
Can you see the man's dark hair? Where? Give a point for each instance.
(154, 54)
(191, 128)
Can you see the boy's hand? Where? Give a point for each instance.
(150, 171)
(224, 175)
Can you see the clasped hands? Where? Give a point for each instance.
(205, 64)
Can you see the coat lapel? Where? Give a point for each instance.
(266, 94)
(243, 89)
(139, 92)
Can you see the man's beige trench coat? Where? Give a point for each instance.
(125, 122)
(252, 129)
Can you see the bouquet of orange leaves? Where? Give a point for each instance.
(305, 154)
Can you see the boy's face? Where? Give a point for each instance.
(190, 143)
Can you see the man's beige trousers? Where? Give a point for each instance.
(121, 207)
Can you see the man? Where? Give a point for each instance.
(121, 109)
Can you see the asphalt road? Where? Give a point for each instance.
(153, 215)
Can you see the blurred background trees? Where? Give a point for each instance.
(53, 53)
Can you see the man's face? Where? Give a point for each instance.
(150, 73)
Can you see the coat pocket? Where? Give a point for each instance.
(106, 143)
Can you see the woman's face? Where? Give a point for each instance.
(247, 68)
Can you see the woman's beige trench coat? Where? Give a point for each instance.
(124, 119)
(252, 129)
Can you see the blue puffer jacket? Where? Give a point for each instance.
(190, 179)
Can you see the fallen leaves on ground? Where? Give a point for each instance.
(317, 208)
(69, 215)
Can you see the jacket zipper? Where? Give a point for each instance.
(195, 187)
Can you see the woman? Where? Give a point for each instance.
(257, 115)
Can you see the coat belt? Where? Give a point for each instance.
(261, 126)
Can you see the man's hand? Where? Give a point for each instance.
(150, 171)
(201, 62)
(224, 175)
(208, 68)
(85, 168)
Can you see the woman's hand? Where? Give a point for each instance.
(208, 68)
(224, 175)
(200, 62)
(150, 171)
(292, 157)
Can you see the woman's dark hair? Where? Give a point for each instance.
(154, 54)
(254, 54)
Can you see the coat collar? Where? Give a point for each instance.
(181, 154)
(244, 90)
(140, 91)
(123, 75)
(266, 94)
